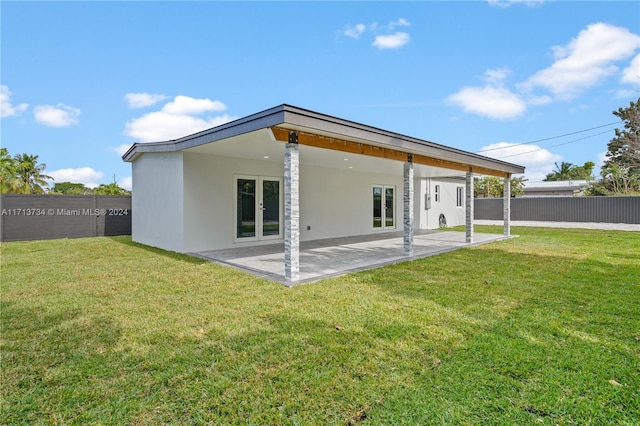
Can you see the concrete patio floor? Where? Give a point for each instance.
(338, 256)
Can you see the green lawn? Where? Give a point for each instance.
(540, 329)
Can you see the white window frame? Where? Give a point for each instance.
(460, 196)
(259, 219)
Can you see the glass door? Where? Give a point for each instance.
(270, 205)
(258, 208)
(383, 207)
(389, 206)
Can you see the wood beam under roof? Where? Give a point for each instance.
(325, 142)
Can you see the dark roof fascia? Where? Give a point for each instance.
(296, 117)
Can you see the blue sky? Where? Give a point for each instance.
(82, 81)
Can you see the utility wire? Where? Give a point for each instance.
(552, 137)
(551, 146)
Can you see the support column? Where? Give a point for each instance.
(292, 208)
(408, 206)
(469, 207)
(506, 214)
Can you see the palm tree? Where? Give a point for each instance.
(29, 175)
(561, 172)
(7, 170)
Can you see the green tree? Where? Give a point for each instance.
(7, 170)
(568, 171)
(29, 175)
(493, 187)
(561, 172)
(585, 172)
(110, 189)
(620, 173)
(71, 188)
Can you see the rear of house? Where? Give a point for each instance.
(289, 175)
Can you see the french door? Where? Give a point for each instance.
(258, 208)
(384, 207)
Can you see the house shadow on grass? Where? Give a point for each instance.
(126, 240)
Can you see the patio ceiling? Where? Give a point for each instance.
(260, 146)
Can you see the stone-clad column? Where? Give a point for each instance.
(408, 206)
(506, 214)
(292, 209)
(469, 207)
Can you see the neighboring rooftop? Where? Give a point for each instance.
(560, 188)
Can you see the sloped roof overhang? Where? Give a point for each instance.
(330, 132)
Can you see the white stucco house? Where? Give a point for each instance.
(288, 174)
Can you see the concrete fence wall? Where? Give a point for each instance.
(563, 209)
(43, 217)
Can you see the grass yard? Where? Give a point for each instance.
(543, 329)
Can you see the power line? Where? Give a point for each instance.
(551, 146)
(552, 137)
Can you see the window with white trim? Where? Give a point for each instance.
(459, 196)
(437, 193)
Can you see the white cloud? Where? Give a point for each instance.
(538, 161)
(84, 175)
(489, 101)
(177, 118)
(381, 41)
(126, 183)
(120, 150)
(392, 41)
(59, 116)
(141, 100)
(188, 105)
(631, 74)
(585, 61)
(6, 108)
(159, 126)
(355, 31)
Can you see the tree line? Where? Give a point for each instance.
(23, 174)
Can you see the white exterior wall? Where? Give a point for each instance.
(157, 200)
(428, 218)
(184, 202)
(339, 203)
(333, 202)
(209, 198)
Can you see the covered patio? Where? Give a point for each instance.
(296, 195)
(333, 257)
